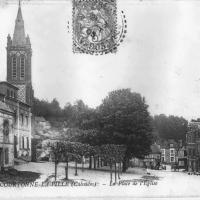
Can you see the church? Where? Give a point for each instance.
(16, 97)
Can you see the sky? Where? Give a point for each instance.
(159, 58)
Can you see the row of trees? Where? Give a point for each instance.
(77, 152)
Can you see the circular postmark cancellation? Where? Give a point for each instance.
(95, 28)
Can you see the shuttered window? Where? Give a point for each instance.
(22, 67)
(27, 142)
(22, 142)
(6, 156)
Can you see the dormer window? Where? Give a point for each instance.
(14, 67)
(22, 67)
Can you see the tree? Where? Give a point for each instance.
(125, 120)
(75, 115)
(113, 154)
(94, 138)
(170, 127)
(57, 151)
(46, 109)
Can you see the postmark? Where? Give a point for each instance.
(94, 26)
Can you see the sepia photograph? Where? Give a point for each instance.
(99, 99)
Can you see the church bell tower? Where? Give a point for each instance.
(19, 55)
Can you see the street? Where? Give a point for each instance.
(167, 184)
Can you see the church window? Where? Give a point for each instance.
(22, 67)
(14, 67)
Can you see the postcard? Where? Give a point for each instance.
(99, 99)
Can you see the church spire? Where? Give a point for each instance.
(19, 38)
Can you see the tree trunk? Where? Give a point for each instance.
(119, 169)
(55, 170)
(101, 162)
(115, 172)
(98, 161)
(82, 164)
(66, 170)
(76, 174)
(90, 162)
(125, 164)
(110, 173)
(94, 162)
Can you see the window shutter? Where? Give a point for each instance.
(6, 156)
(27, 143)
(20, 142)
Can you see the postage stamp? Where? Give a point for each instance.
(94, 26)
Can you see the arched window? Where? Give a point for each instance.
(14, 67)
(22, 67)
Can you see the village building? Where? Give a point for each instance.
(173, 153)
(169, 151)
(153, 160)
(193, 146)
(16, 96)
(6, 136)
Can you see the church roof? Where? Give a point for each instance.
(19, 38)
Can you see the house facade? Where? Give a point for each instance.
(153, 160)
(6, 136)
(16, 92)
(182, 158)
(193, 146)
(168, 151)
(173, 153)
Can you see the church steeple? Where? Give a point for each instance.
(19, 38)
(19, 55)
